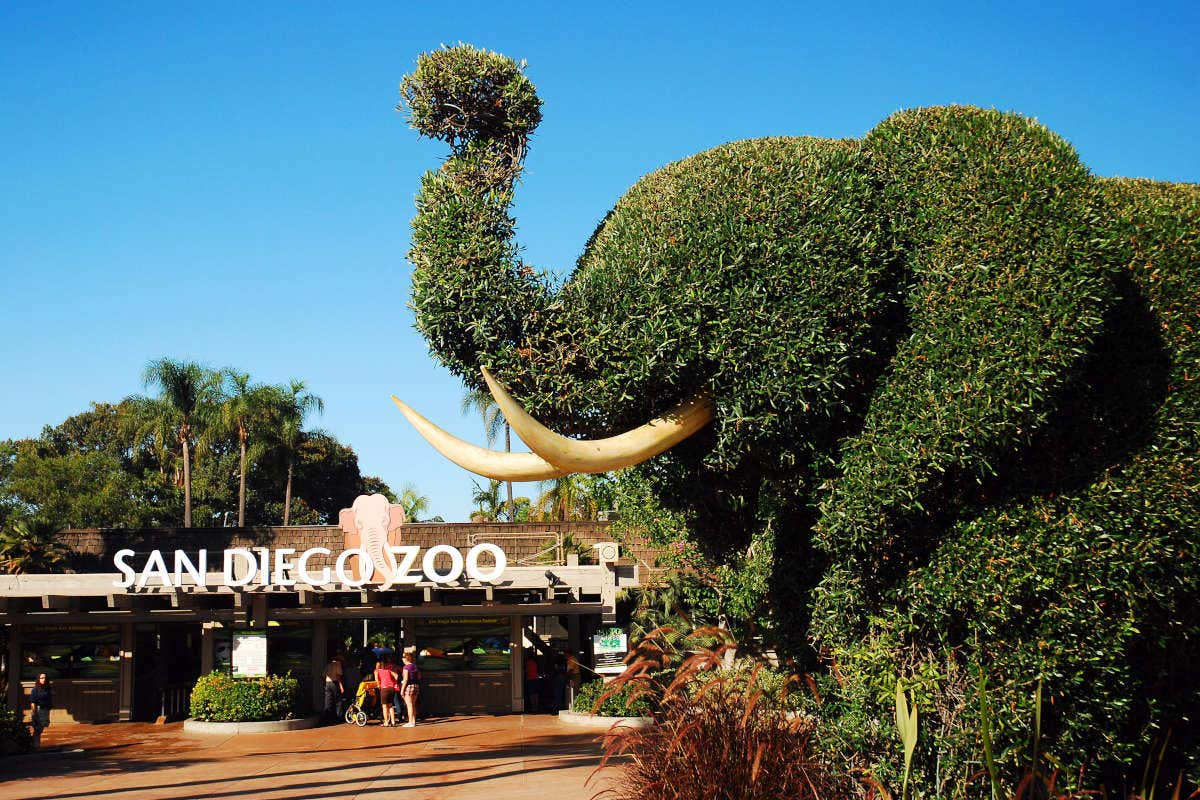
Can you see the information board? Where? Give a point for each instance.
(609, 648)
(250, 654)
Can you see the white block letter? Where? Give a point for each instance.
(473, 554)
(125, 569)
(282, 565)
(251, 566)
(302, 567)
(456, 563)
(401, 574)
(182, 562)
(156, 565)
(366, 567)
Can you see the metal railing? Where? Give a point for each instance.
(175, 700)
(557, 546)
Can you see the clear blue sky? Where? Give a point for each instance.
(228, 182)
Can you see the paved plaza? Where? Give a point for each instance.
(497, 758)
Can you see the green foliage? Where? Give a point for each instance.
(733, 592)
(608, 700)
(461, 92)
(487, 500)
(906, 727)
(218, 697)
(415, 504)
(955, 379)
(31, 546)
(15, 736)
(119, 465)
(566, 498)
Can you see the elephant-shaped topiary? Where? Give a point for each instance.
(952, 375)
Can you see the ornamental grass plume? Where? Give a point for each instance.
(719, 738)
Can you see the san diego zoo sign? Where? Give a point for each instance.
(391, 565)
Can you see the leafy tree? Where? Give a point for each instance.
(522, 510)
(10, 505)
(31, 546)
(372, 484)
(186, 403)
(115, 465)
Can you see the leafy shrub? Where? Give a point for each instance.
(609, 700)
(15, 736)
(219, 697)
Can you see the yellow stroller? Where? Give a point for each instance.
(366, 704)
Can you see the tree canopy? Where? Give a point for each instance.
(121, 464)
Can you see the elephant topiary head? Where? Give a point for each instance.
(938, 363)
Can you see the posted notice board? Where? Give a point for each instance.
(250, 654)
(609, 648)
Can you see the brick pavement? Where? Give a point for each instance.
(491, 758)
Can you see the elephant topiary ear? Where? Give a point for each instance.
(462, 94)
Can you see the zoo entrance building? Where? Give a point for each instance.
(133, 652)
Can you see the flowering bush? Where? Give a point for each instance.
(219, 697)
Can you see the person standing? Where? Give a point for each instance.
(385, 675)
(41, 700)
(558, 682)
(532, 684)
(334, 689)
(410, 687)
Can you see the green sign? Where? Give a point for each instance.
(609, 648)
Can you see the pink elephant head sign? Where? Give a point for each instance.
(371, 524)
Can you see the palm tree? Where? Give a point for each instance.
(488, 499)
(246, 407)
(566, 498)
(290, 405)
(482, 402)
(414, 503)
(187, 396)
(31, 546)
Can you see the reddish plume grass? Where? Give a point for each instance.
(715, 737)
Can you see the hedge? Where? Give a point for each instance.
(219, 697)
(625, 700)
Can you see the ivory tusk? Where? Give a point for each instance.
(488, 463)
(604, 455)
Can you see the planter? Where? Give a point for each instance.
(595, 721)
(269, 726)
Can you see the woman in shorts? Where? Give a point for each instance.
(410, 687)
(385, 675)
